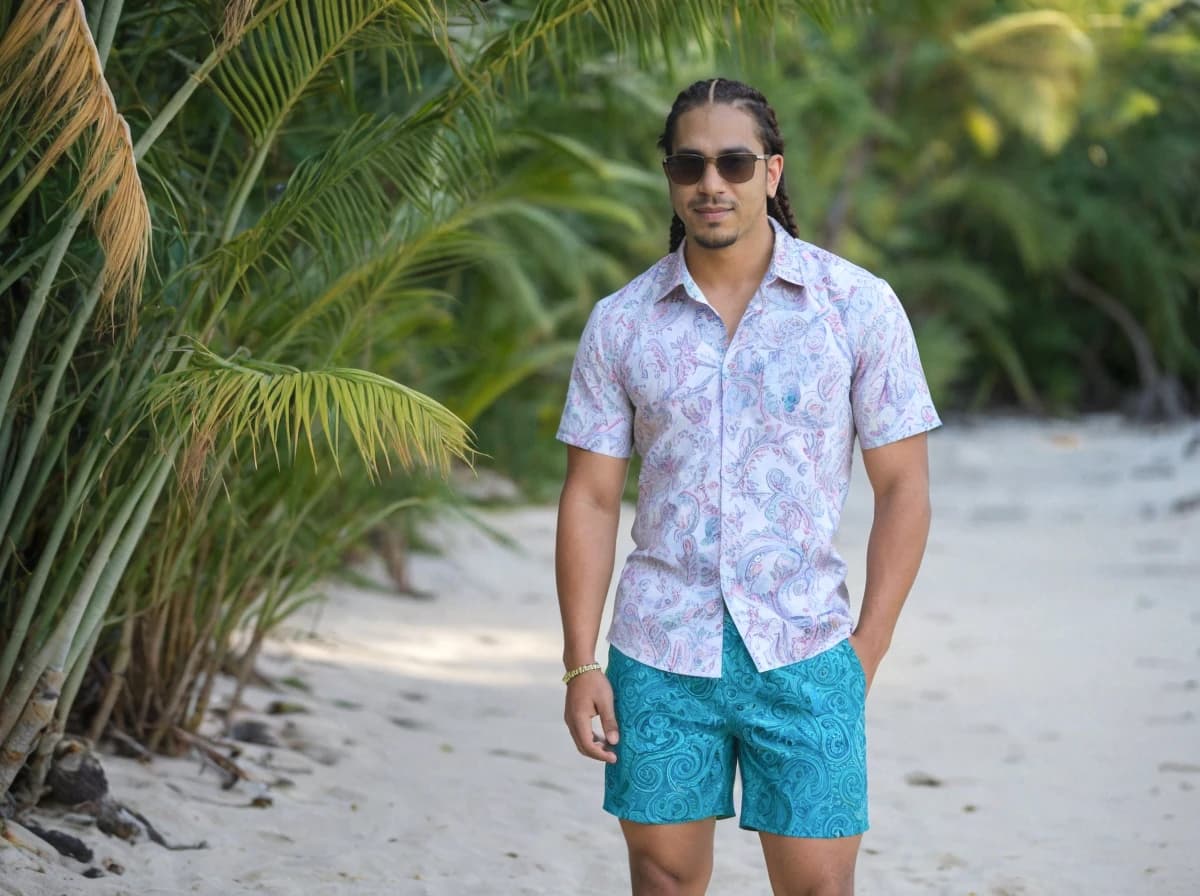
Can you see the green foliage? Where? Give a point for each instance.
(348, 195)
(345, 195)
(985, 158)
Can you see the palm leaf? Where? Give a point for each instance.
(1031, 66)
(1043, 239)
(283, 55)
(225, 399)
(339, 201)
(54, 89)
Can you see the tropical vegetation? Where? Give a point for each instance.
(271, 267)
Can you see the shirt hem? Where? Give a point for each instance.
(906, 433)
(593, 447)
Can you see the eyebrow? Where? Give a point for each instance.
(688, 150)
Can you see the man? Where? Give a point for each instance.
(740, 367)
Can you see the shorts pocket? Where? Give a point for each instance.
(856, 665)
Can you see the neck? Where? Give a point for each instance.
(747, 259)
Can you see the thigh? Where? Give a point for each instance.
(803, 749)
(800, 866)
(675, 756)
(670, 858)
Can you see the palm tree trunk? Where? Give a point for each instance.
(1160, 395)
(38, 711)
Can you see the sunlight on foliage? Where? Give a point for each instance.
(221, 400)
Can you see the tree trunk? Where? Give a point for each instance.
(39, 711)
(1160, 396)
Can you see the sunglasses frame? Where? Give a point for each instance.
(716, 161)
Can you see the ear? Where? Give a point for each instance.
(774, 173)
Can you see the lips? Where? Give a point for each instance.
(711, 213)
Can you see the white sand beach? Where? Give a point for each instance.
(1035, 728)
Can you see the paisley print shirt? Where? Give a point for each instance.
(746, 448)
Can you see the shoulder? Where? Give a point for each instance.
(838, 279)
(618, 310)
(857, 294)
(859, 301)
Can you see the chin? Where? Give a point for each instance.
(718, 240)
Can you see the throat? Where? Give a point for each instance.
(731, 307)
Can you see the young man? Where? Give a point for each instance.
(740, 367)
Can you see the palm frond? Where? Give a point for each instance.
(1031, 66)
(54, 89)
(968, 289)
(338, 201)
(224, 399)
(237, 16)
(287, 52)
(1042, 237)
(386, 276)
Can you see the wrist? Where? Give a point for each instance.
(872, 639)
(574, 673)
(573, 659)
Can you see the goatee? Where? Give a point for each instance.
(715, 241)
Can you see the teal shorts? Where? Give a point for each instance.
(797, 734)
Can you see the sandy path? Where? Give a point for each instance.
(1045, 676)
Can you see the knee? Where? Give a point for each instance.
(653, 877)
(825, 886)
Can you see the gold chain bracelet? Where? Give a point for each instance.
(579, 670)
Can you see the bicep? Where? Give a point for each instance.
(904, 462)
(596, 478)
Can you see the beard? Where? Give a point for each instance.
(714, 240)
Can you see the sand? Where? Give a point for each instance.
(1034, 729)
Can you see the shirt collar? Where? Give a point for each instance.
(786, 264)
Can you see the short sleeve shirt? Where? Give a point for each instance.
(746, 448)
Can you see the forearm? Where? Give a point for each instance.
(894, 551)
(583, 562)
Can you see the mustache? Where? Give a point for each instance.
(708, 207)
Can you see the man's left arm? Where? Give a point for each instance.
(899, 475)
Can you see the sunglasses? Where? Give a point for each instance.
(687, 168)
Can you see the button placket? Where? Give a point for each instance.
(728, 564)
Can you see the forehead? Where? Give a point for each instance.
(716, 126)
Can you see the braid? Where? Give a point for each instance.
(677, 232)
(779, 207)
(734, 93)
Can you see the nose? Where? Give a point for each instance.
(711, 183)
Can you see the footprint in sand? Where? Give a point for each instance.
(1182, 718)
(986, 728)
(1188, 684)
(1000, 513)
(1155, 662)
(548, 785)
(514, 754)
(407, 723)
(922, 779)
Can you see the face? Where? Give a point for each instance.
(715, 212)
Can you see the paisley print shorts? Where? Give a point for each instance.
(796, 733)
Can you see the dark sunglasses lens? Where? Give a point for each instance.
(736, 167)
(685, 170)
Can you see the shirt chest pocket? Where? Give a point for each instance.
(801, 381)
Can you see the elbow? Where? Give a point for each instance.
(579, 495)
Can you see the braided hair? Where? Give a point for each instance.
(743, 96)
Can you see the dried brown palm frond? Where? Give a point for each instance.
(55, 93)
(237, 16)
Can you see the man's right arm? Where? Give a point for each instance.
(589, 510)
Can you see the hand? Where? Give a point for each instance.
(590, 695)
(868, 658)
